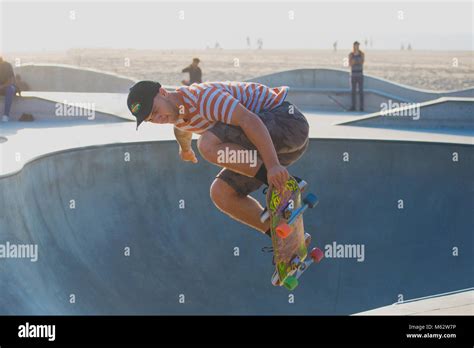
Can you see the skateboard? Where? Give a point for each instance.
(290, 243)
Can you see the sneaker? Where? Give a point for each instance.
(264, 215)
(5, 118)
(301, 183)
(267, 249)
(276, 279)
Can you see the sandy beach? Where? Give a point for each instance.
(431, 70)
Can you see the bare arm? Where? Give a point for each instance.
(257, 133)
(184, 139)
(351, 61)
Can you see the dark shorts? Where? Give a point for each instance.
(289, 131)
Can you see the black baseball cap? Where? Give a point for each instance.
(140, 99)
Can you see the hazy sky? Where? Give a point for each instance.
(60, 25)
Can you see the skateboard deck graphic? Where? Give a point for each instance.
(290, 246)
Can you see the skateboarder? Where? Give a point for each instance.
(230, 117)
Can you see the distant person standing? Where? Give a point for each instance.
(195, 73)
(7, 87)
(356, 62)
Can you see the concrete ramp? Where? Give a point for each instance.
(108, 103)
(84, 208)
(455, 303)
(442, 113)
(66, 78)
(336, 99)
(329, 89)
(49, 109)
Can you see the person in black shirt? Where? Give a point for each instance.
(7, 87)
(195, 74)
(356, 62)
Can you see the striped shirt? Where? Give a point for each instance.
(211, 102)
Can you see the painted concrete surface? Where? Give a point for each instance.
(66, 78)
(25, 142)
(136, 204)
(127, 228)
(65, 107)
(458, 303)
(329, 89)
(317, 88)
(442, 113)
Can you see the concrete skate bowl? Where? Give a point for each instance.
(329, 89)
(66, 78)
(138, 204)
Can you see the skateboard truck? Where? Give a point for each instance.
(284, 230)
(298, 268)
(309, 201)
(291, 282)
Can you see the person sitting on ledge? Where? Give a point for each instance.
(7, 87)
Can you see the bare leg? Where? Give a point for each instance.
(209, 146)
(242, 208)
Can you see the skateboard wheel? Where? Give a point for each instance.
(283, 231)
(317, 255)
(275, 279)
(290, 283)
(311, 200)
